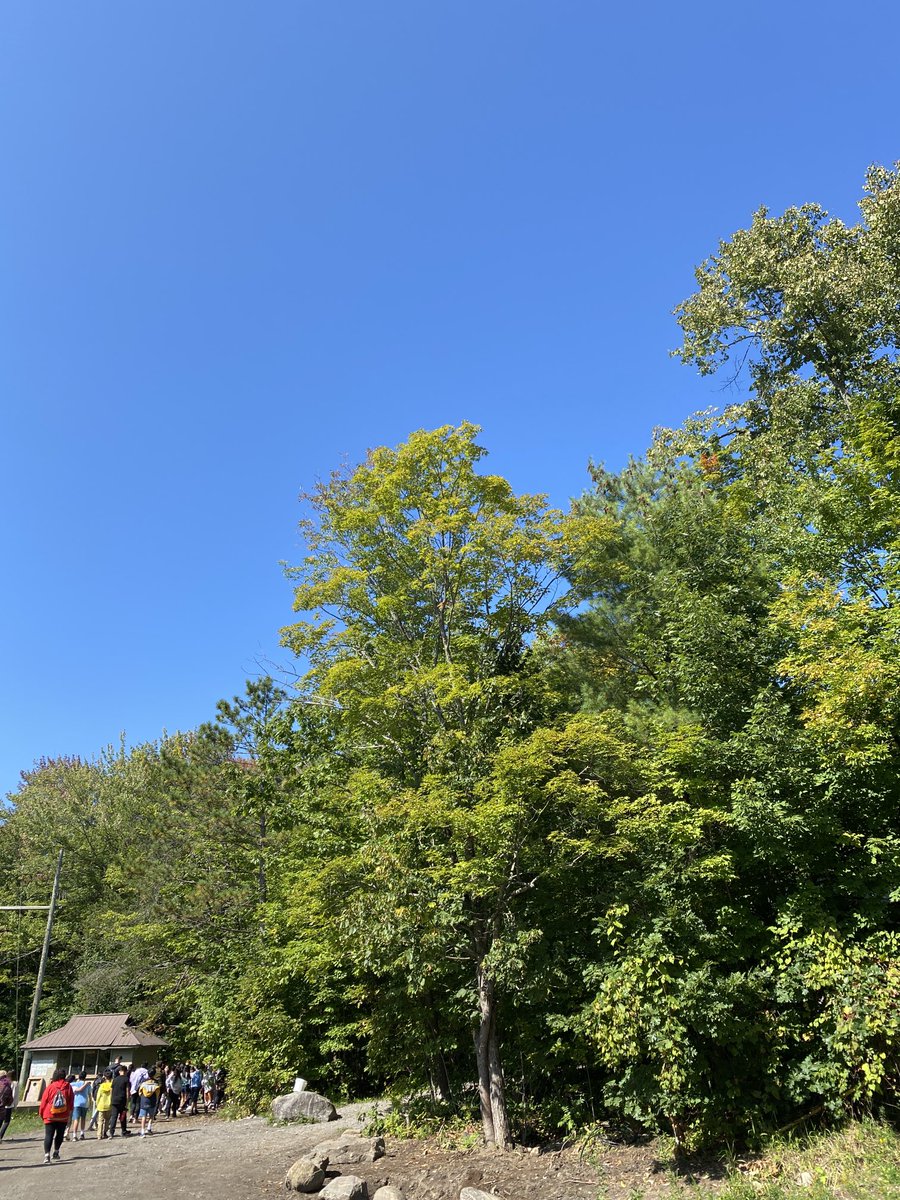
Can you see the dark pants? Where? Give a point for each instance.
(120, 1115)
(5, 1118)
(174, 1101)
(135, 1106)
(54, 1133)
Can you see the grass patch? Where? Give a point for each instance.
(858, 1162)
(25, 1121)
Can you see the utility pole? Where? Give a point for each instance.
(39, 986)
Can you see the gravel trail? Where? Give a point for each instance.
(190, 1158)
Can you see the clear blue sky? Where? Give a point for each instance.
(242, 241)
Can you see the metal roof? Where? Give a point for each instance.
(96, 1031)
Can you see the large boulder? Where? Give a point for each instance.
(348, 1187)
(303, 1106)
(389, 1193)
(306, 1175)
(350, 1148)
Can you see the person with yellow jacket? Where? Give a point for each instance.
(103, 1100)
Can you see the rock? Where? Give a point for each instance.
(306, 1175)
(388, 1193)
(475, 1194)
(347, 1150)
(303, 1106)
(346, 1187)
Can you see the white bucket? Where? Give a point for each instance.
(299, 1084)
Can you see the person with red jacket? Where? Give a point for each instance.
(56, 1107)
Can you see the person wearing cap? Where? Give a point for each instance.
(6, 1103)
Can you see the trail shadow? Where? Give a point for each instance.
(62, 1162)
(692, 1169)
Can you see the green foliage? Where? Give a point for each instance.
(839, 1015)
(424, 582)
(425, 585)
(739, 593)
(453, 1126)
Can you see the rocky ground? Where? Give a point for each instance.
(422, 1171)
(207, 1158)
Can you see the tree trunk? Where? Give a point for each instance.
(491, 1093)
(440, 1080)
(440, 1077)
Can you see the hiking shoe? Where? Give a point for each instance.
(46, 1158)
(56, 1156)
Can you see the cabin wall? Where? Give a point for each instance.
(90, 1060)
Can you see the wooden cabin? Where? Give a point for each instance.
(89, 1043)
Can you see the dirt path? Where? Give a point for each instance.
(185, 1159)
(205, 1158)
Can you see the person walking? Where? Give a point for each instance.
(6, 1103)
(95, 1088)
(185, 1074)
(104, 1104)
(206, 1088)
(119, 1106)
(173, 1091)
(137, 1077)
(148, 1093)
(196, 1083)
(56, 1108)
(81, 1089)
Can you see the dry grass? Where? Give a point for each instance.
(859, 1162)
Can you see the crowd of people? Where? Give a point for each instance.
(119, 1099)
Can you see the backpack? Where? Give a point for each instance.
(58, 1104)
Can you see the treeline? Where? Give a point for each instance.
(598, 810)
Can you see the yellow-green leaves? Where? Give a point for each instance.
(425, 585)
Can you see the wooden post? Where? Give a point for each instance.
(39, 986)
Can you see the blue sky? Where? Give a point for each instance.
(242, 242)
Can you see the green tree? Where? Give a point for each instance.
(426, 583)
(250, 728)
(809, 305)
(739, 592)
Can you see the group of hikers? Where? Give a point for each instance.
(116, 1097)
